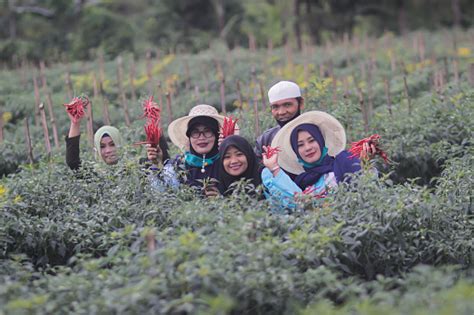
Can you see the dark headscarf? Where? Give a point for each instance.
(195, 173)
(340, 165)
(252, 172)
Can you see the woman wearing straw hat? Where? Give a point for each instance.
(197, 134)
(312, 147)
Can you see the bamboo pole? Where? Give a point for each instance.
(28, 141)
(334, 90)
(45, 129)
(121, 90)
(188, 76)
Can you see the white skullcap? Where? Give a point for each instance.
(283, 90)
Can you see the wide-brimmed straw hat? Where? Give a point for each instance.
(331, 129)
(177, 128)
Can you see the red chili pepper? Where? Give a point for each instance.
(153, 134)
(270, 151)
(76, 107)
(358, 146)
(151, 110)
(228, 127)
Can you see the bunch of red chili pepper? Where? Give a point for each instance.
(76, 108)
(358, 146)
(228, 126)
(269, 151)
(152, 113)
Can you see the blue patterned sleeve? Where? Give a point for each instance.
(280, 190)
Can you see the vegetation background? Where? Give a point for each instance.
(401, 243)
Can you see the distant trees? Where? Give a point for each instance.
(49, 29)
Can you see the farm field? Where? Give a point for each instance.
(397, 243)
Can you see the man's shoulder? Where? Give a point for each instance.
(269, 132)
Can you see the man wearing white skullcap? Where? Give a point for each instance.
(286, 104)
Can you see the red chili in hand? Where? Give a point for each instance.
(228, 127)
(76, 107)
(269, 151)
(153, 134)
(358, 146)
(151, 110)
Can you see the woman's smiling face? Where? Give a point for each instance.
(234, 161)
(202, 139)
(308, 147)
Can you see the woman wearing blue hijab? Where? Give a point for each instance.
(312, 146)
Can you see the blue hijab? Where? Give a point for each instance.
(340, 165)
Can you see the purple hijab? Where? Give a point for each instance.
(340, 165)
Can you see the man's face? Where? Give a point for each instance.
(284, 110)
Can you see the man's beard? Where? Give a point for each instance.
(282, 123)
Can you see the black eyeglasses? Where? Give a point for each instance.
(206, 133)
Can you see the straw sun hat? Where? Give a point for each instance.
(331, 129)
(177, 128)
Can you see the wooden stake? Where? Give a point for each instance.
(37, 102)
(257, 120)
(168, 105)
(456, 71)
(363, 109)
(471, 74)
(387, 95)
(105, 110)
(222, 93)
(197, 96)
(1, 126)
(188, 76)
(69, 87)
(90, 125)
(121, 90)
(149, 72)
(150, 242)
(160, 94)
(28, 141)
(334, 90)
(262, 95)
(132, 80)
(239, 98)
(50, 105)
(45, 128)
(407, 94)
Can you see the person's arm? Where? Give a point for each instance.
(73, 138)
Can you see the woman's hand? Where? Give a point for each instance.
(368, 151)
(210, 188)
(270, 162)
(154, 154)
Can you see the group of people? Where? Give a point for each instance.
(304, 152)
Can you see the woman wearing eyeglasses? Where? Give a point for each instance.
(197, 135)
